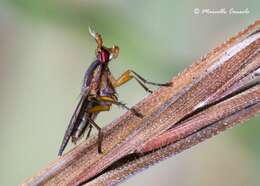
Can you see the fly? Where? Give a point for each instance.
(98, 94)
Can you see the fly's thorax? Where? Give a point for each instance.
(106, 88)
(95, 81)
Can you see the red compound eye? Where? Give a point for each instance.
(103, 56)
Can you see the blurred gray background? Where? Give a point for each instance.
(45, 49)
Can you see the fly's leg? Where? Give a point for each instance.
(113, 101)
(100, 135)
(97, 108)
(124, 78)
(89, 131)
(143, 85)
(101, 108)
(149, 82)
(135, 112)
(130, 74)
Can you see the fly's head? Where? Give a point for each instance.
(104, 54)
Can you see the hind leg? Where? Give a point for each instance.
(100, 134)
(115, 102)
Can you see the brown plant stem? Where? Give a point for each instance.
(141, 161)
(215, 93)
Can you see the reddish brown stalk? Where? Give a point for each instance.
(212, 95)
(140, 161)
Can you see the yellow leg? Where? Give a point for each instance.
(130, 74)
(114, 101)
(125, 77)
(99, 108)
(106, 98)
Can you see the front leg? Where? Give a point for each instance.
(130, 74)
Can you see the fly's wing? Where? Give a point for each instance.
(81, 107)
(74, 122)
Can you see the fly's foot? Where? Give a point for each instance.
(168, 84)
(135, 112)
